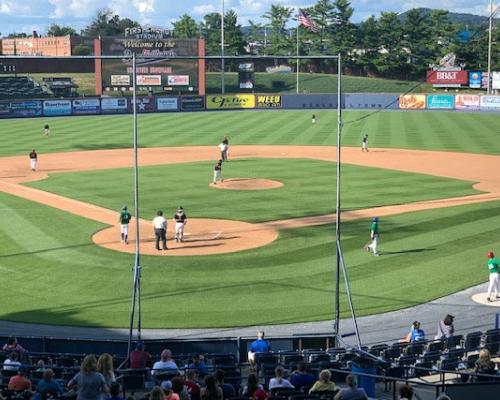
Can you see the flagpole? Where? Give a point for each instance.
(298, 66)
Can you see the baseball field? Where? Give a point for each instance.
(250, 256)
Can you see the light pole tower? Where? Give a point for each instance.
(489, 46)
(222, 47)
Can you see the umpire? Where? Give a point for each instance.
(160, 226)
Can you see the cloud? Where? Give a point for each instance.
(14, 8)
(203, 9)
(249, 6)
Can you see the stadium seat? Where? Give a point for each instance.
(473, 341)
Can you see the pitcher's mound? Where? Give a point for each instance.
(247, 184)
(481, 298)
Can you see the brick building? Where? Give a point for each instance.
(61, 46)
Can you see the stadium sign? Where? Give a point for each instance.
(192, 103)
(86, 106)
(447, 78)
(475, 79)
(56, 107)
(440, 102)
(120, 80)
(268, 101)
(178, 80)
(228, 102)
(149, 80)
(167, 103)
(495, 80)
(412, 102)
(114, 105)
(21, 109)
(467, 102)
(490, 103)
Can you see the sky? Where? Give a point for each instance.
(29, 15)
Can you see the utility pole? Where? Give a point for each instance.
(489, 46)
(222, 47)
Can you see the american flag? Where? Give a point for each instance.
(306, 21)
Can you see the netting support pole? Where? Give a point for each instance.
(136, 291)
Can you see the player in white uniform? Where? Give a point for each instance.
(180, 221)
(33, 160)
(218, 173)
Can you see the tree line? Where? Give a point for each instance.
(386, 46)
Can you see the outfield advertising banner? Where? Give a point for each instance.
(144, 104)
(56, 107)
(86, 107)
(309, 101)
(475, 79)
(467, 102)
(114, 105)
(167, 103)
(412, 102)
(268, 101)
(490, 103)
(230, 102)
(29, 108)
(370, 101)
(495, 80)
(193, 103)
(440, 102)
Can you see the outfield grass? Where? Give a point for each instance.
(448, 131)
(309, 188)
(55, 275)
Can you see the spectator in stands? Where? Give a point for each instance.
(157, 393)
(139, 358)
(405, 392)
(301, 379)
(484, 365)
(352, 392)
(415, 334)
(114, 391)
(179, 388)
(324, 383)
(211, 391)
(227, 389)
(199, 365)
(19, 382)
(258, 346)
(168, 392)
(278, 381)
(191, 383)
(48, 385)
(105, 367)
(443, 396)
(13, 345)
(91, 384)
(12, 363)
(445, 328)
(165, 363)
(253, 390)
(40, 366)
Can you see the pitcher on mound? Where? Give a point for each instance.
(180, 218)
(374, 237)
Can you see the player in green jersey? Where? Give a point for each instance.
(124, 219)
(493, 268)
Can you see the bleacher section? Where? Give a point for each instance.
(20, 87)
(425, 364)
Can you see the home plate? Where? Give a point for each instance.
(481, 298)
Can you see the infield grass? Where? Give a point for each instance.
(448, 131)
(309, 188)
(56, 275)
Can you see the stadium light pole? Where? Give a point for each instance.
(223, 67)
(136, 291)
(337, 208)
(489, 46)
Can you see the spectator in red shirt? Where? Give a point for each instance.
(19, 382)
(191, 383)
(12, 345)
(139, 358)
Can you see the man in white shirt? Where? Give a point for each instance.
(160, 227)
(166, 364)
(12, 363)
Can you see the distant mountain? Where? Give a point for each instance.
(458, 18)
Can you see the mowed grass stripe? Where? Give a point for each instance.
(290, 280)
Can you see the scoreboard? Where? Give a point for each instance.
(158, 74)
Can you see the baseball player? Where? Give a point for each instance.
(218, 172)
(364, 146)
(33, 159)
(225, 142)
(46, 130)
(180, 218)
(493, 268)
(124, 219)
(223, 151)
(374, 237)
(313, 119)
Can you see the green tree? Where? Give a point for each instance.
(368, 45)
(391, 59)
(343, 31)
(279, 41)
(417, 39)
(233, 38)
(57, 30)
(211, 27)
(107, 24)
(256, 37)
(186, 28)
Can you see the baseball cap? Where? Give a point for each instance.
(166, 386)
(375, 219)
(490, 254)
